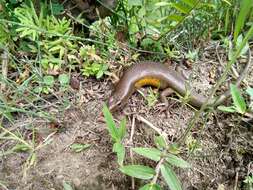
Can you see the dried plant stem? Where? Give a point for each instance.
(5, 59)
(159, 131)
(131, 151)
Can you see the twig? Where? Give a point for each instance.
(5, 59)
(236, 180)
(131, 151)
(159, 131)
(157, 170)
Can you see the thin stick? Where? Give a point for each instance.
(131, 152)
(5, 60)
(157, 170)
(236, 180)
(159, 131)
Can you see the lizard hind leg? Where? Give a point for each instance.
(165, 93)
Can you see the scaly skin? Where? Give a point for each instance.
(158, 75)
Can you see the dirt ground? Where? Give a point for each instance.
(221, 161)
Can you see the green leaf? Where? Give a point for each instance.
(120, 150)
(161, 4)
(151, 153)
(20, 148)
(122, 129)
(176, 161)
(133, 28)
(238, 100)
(99, 74)
(151, 187)
(181, 8)
(134, 2)
(48, 80)
(174, 17)
(160, 142)
(230, 109)
(250, 91)
(170, 177)
(63, 79)
(238, 43)
(79, 147)
(110, 124)
(138, 171)
(57, 8)
(67, 186)
(191, 3)
(245, 7)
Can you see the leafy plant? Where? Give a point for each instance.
(249, 181)
(151, 98)
(165, 160)
(239, 104)
(93, 64)
(117, 134)
(23, 145)
(77, 147)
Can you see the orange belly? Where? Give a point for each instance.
(148, 81)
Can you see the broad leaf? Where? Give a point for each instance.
(176, 161)
(250, 92)
(138, 171)
(170, 177)
(238, 100)
(63, 79)
(120, 150)
(151, 153)
(110, 124)
(230, 109)
(160, 142)
(48, 80)
(67, 186)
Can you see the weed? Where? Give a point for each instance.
(249, 182)
(239, 103)
(161, 155)
(76, 147)
(23, 145)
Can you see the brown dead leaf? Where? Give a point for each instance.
(23, 76)
(212, 75)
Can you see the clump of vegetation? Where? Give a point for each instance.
(163, 155)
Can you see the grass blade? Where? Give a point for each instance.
(238, 100)
(110, 124)
(240, 20)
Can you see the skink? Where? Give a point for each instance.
(158, 75)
